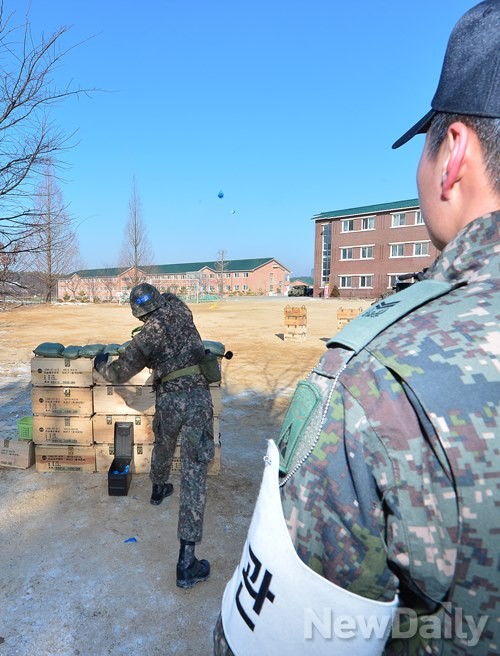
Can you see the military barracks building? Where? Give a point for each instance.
(362, 251)
(194, 280)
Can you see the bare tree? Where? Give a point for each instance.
(10, 282)
(109, 284)
(74, 284)
(29, 139)
(221, 267)
(93, 290)
(53, 248)
(136, 248)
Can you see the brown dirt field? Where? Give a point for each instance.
(69, 584)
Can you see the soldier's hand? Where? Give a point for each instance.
(100, 361)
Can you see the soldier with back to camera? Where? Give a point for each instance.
(168, 343)
(379, 505)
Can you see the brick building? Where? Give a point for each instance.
(362, 250)
(194, 280)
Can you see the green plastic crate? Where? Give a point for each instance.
(25, 428)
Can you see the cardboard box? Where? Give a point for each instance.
(62, 430)
(17, 453)
(124, 400)
(64, 458)
(104, 428)
(144, 377)
(216, 393)
(54, 401)
(61, 372)
(214, 466)
(217, 430)
(141, 459)
(346, 315)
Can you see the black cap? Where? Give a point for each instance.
(470, 77)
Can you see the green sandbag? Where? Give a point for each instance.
(91, 350)
(49, 350)
(71, 352)
(112, 349)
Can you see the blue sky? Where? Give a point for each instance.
(289, 107)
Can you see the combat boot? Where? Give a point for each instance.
(160, 492)
(190, 570)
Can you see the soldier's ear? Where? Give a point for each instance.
(457, 142)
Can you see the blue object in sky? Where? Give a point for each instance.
(220, 194)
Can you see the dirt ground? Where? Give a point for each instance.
(70, 583)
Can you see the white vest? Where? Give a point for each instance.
(274, 603)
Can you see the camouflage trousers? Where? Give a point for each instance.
(221, 648)
(187, 415)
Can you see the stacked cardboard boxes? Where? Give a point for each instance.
(295, 323)
(345, 315)
(62, 403)
(216, 393)
(75, 411)
(133, 403)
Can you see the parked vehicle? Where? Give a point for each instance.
(300, 290)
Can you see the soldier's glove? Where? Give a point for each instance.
(100, 361)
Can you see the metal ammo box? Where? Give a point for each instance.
(119, 473)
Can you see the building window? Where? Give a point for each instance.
(346, 253)
(419, 219)
(345, 282)
(397, 250)
(421, 248)
(366, 253)
(326, 249)
(212, 275)
(236, 288)
(368, 223)
(347, 225)
(236, 275)
(246, 274)
(398, 220)
(366, 281)
(245, 288)
(391, 280)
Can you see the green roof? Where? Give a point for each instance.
(308, 280)
(98, 273)
(185, 267)
(369, 209)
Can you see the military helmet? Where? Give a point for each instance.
(145, 298)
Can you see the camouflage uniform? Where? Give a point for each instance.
(401, 491)
(169, 341)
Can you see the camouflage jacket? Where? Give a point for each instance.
(401, 491)
(167, 341)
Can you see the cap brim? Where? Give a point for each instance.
(419, 128)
